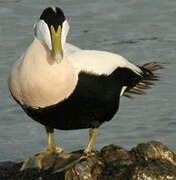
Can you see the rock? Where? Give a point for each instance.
(147, 161)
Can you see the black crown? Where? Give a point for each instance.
(53, 16)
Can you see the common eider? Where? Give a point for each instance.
(64, 87)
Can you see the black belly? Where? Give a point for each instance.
(74, 115)
(94, 101)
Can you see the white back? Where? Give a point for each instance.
(100, 62)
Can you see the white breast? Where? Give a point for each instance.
(39, 81)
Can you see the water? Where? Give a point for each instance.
(149, 25)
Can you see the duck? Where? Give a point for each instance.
(64, 87)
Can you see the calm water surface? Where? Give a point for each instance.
(149, 25)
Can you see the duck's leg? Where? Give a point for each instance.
(62, 161)
(92, 137)
(52, 148)
(51, 145)
(72, 159)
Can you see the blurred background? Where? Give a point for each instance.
(141, 31)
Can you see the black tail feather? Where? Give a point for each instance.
(152, 66)
(146, 80)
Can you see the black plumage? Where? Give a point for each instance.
(53, 16)
(95, 100)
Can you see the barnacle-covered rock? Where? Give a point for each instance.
(147, 161)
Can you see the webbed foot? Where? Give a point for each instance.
(57, 161)
(51, 152)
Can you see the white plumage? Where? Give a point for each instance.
(100, 62)
(37, 81)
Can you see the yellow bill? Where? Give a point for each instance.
(57, 52)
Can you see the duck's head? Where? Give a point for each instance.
(52, 29)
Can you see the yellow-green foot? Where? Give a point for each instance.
(35, 160)
(51, 160)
